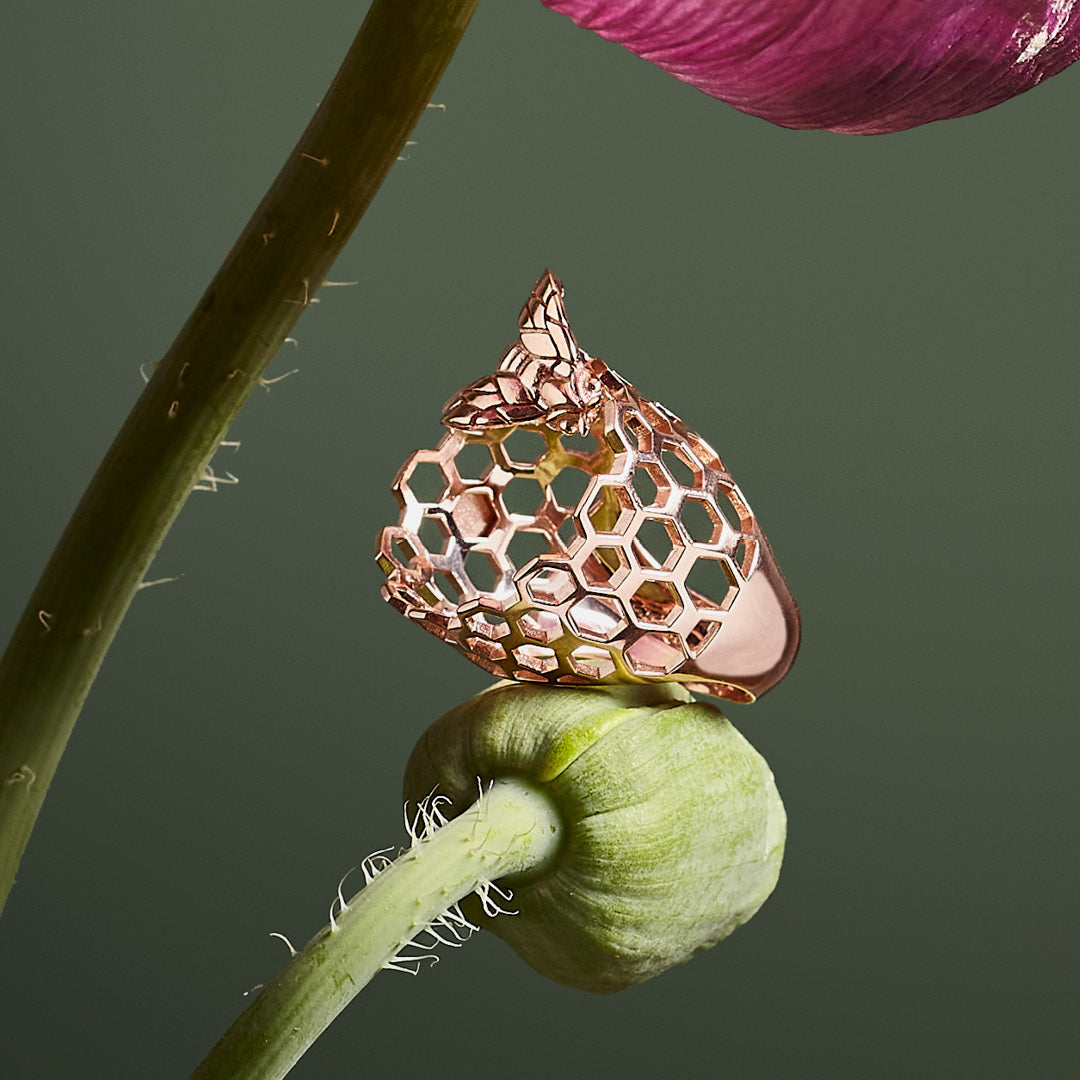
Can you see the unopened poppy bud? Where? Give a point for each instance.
(673, 827)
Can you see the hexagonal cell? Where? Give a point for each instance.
(592, 662)
(702, 453)
(574, 443)
(639, 431)
(610, 509)
(572, 680)
(472, 461)
(655, 654)
(550, 585)
(433, 534)
(614, 441)
(650, 484)
(402, 551)
(448, 585)
(597, 618)
(744, 556)
(431, 598)
(605, 567)
(536, 658)
(474, 514)
(524, 675)
(700, 520)
(657, 543)
(489, 650)
(542, 626)
(656, 603)
(525, 546)
(481, 570)
(683, 469)
(523, 448)
(567, 532)
(712, 579)
(735, 511)
(701, 637)
(487, 625)
(426, 481)
(568, 486)
(523, 495)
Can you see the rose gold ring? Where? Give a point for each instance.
(567, 530)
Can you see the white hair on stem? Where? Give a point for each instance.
(452, 928)
(209, 480)
(339, 902)
(292, 951)
(427, 818)
(374, 864)
(492, 907)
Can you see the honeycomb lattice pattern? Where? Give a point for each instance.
(609, 545)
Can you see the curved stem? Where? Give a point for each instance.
(510, 829)
(274, 268)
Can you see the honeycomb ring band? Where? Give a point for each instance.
(567, 530)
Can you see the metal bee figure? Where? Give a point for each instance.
(546, 379)
(567, 530)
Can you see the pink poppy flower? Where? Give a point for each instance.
(858, 66)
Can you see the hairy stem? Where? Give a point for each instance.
(511, 829)
(274, 268)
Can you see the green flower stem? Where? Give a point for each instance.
(512, 829)
(274, 268)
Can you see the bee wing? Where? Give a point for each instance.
(544, 330)
(500, 400)
(533, 382)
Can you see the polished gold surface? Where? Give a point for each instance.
(567, 530)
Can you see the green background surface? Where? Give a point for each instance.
(878, 335)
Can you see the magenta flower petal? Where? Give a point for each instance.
(859, 66)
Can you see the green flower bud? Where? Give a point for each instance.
(673, 827)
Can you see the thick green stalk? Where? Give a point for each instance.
(512, 828)
(271, 273)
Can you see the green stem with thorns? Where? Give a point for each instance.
(511, 829)
(274, 268)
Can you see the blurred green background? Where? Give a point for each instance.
(878, 335)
